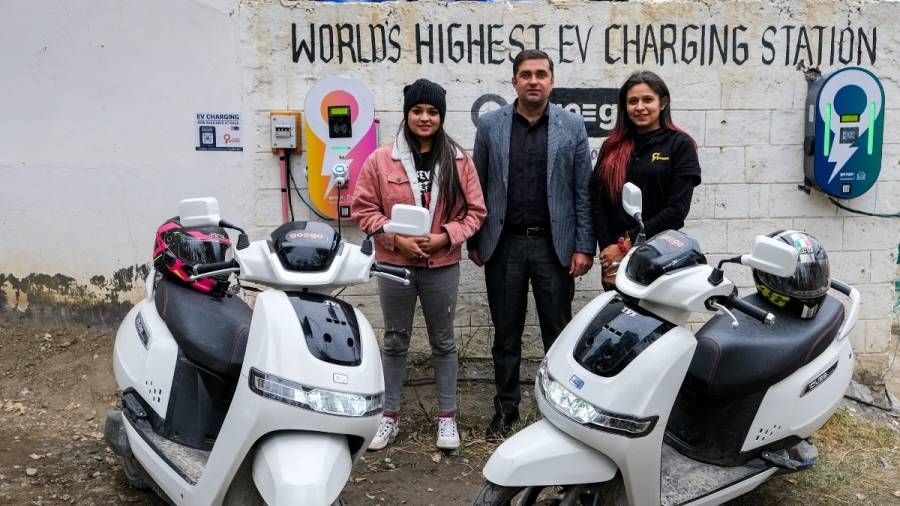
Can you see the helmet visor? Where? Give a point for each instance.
(199, 251)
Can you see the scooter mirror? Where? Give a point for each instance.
(772, 256)
(408, 220)
(632, 200)
(199, 212)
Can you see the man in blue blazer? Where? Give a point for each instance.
(534, 165)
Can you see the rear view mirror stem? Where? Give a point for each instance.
(366, 246)
(716, 276)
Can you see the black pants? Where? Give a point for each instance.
(517, 261)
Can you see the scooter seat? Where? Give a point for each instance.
(754, 356)
(211, 331)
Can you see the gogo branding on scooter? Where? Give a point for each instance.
(222, 404)
(638, 409)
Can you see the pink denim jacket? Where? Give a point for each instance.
(387, 178)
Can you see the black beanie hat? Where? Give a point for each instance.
(424, 91)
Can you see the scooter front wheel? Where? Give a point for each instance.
(497, 495)
(134, 473)
(610, 493)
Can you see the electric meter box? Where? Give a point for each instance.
(844, 132)
(285, 130)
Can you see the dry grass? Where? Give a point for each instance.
(857, 457)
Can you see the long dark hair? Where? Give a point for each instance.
(612, 163)
(443, 149)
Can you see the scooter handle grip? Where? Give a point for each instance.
(399, 272)
(215, 266)
(753, 311)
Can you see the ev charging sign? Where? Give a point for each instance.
(849, 130)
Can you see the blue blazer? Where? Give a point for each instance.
(568, 181)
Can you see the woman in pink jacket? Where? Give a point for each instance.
(424, 167)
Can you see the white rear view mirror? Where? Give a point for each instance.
(199, 212)
(772, 256)
(632, 201)
(408, 220)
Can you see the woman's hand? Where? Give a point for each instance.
(610, 257)
(433, 243)
(409, 247)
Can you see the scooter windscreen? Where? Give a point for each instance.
(616, 336)
(306, 246)
(666, 252)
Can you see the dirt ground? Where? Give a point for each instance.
(56, 385)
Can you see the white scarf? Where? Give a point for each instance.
(403, 153)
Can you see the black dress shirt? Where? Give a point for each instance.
(526, 195)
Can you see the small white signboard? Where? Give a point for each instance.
(218, 131)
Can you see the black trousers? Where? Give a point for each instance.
(516, 261)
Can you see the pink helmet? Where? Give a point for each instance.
(178, 249)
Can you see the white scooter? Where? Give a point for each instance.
(639, 410)
(224, 405)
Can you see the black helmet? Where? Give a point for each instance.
(803, 292)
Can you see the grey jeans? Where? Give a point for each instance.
(436, 289)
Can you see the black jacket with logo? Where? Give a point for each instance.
(665, 167)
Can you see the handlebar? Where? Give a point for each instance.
(769, 319)
(752, 311)
(215, 266)
(399, 274)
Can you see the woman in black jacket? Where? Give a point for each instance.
(647, 149)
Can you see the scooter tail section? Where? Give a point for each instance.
(301, 468)
(541, 454)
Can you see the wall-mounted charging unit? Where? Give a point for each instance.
(844, 132)
(285, 130)
(340, 134)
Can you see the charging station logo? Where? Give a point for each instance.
(849, 127)
(596, 105)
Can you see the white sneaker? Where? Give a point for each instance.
(447, 435)
(387, 432)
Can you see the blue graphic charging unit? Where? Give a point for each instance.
(844, 132)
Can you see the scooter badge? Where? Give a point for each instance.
(578, 382)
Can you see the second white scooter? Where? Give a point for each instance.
(638, 409)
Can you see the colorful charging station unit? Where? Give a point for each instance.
(340, 135)
(844, 132)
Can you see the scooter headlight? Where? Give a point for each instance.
(586, 413)
(314, 399)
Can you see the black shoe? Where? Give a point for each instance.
(499, 427)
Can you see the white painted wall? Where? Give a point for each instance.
(97, 146)
(97, 137)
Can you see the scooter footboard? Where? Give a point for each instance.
(301, 468)
(541, 454)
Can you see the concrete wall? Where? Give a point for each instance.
(97, 146)
(102, 99)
